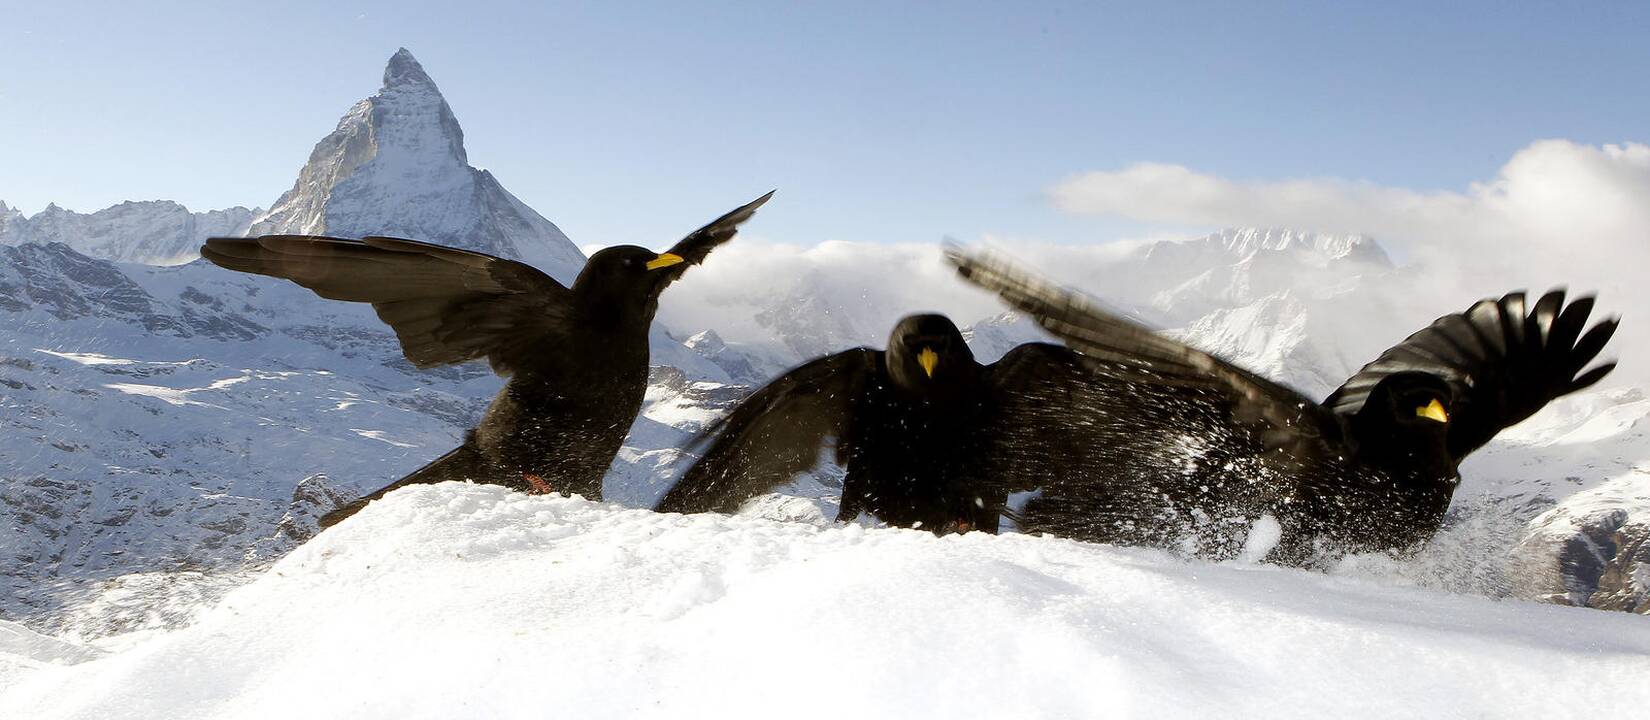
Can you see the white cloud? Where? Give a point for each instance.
(1557, 213)
(867, 287)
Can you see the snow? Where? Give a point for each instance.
(23, 651)
(472, 601)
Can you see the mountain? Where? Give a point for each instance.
(157, 232)
(396, 166)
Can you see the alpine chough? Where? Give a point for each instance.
(576, 358)
(1158, 443)
(911, 426)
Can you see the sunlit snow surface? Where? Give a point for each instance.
(472, 601)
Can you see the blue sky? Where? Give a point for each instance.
(886, 122)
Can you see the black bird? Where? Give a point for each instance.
(576, 358)
(1158, 443)
(910, 425)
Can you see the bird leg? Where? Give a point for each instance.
(536, 485)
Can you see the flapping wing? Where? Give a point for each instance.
(775, 433)
(1503, 360)
(446, 305)
(694, 248)
(1115, 459)
(1136, 354)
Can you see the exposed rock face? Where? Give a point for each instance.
(58, 282)
(1592, 549)
(311, 500)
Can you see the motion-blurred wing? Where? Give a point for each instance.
(694, 248)
(1502, 360)
(1115, 459)
(775, 433)
(1135, 354)
(446, 305)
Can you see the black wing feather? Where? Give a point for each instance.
(694, 248)
(446, 305)
(775, 433)
(1136, 354)
(1503, 362)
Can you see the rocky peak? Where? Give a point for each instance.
(706, 341)
(396, 165)
(403, 69)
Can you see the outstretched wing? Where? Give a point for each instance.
(1502, 360)
(446, 305)
(694, 248)
(1135, 354)
(775, 433)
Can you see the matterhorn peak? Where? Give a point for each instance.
(404, 69)
(396, 165)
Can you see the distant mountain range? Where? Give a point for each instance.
(166, 422)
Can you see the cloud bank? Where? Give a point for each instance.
(1557, 212)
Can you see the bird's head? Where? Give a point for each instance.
(628, 275)
(927, 353)
(1407, 412)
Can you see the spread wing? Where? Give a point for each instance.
(1134, 354)
(446, 305)
(775, 433)
(694, 248)
(1503, 360)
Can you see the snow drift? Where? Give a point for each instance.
(462, 600)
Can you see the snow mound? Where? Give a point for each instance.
(462, 600)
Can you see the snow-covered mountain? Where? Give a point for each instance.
(157, 232)
(396, 166)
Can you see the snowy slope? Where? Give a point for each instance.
(22, 651)
(471, 601)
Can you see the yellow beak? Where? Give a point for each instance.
(1433, 411)
(928, 359)
(665, 260)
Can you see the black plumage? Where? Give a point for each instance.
(1158, 443)
(576, 358)
(908, 423)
